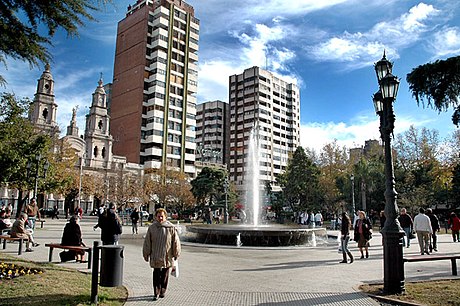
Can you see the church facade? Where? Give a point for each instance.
(97, 165)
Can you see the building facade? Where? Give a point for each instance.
(213, 133)
(260, 99)
(153, 104)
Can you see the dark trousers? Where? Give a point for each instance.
(434, 241)
(160, 280)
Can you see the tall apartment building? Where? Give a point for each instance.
(212, 132)
(259, 98)
(153, 103)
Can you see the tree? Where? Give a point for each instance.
(333, 163)
(19, 144)
(438, 84)
(207, 187)
(419, 174)
(22, 23)
(300, 182)
(455, 189)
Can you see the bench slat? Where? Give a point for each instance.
(69, 247)
(420, 258)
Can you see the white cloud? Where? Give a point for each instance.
(446, 42)
(256, 50)
(361, 49)
(315, 135)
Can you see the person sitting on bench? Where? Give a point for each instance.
(18, 230)
(72, 237)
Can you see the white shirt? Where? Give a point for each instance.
(422, 223)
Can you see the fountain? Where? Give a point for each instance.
(254, 233)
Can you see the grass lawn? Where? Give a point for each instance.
(430, 293)
(54, 286)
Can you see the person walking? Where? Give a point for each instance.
(32, 212)
(406, 222)
(110, 224)
(18, 230)
(454, 223)
(134, 219)
(363, 233)
(55, 213)
(319, 219)
(161, 249)
(345, 237)
(422, 226)
(435, 227)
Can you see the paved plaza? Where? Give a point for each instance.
(249, 276)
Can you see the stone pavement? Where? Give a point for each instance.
(249, 276)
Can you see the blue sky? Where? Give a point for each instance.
(327, 47)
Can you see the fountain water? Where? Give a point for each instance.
(255, 234)
(252, 180)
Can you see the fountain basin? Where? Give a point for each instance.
(263, 235)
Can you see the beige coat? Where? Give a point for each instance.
(161, 245)
(18, 230)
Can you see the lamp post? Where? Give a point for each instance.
(352, 178)
(393, 265)
(37, 175)
(226, 185)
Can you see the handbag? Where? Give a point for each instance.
(175, 269)
(411, 235)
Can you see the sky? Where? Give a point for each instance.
(327, 47)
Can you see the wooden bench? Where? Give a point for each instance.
(419, 258)
(53, 246)
(9, 238)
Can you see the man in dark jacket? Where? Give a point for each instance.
(110, 224)
(435, 226)
(405, 220)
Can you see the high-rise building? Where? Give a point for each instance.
(259, 98)
(212, 132)
(153, 103)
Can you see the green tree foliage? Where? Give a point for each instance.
(22, 24)
(438, 85)
(207, 187)
(18, 142)
(300, 182)
(418, 171)
(333, 163)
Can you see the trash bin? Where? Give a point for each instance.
(111, 266)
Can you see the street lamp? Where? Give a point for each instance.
(37, 172)
(226, 185)
(393, 265)
(352, 178)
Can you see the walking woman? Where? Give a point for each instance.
(363, 233)
(161, 248)
(345, 237)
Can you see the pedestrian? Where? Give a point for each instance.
(32, 212)
(78, 211)
(55, 212)
(319, 219)
(345, 237)
(134, 219)
(72, 237)
(435, 227)
(454, 223)
(161, 249)
(110, 224)
(422, 226)
(363, 233)
(383, 218)
(18, 230)
(407, 224)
